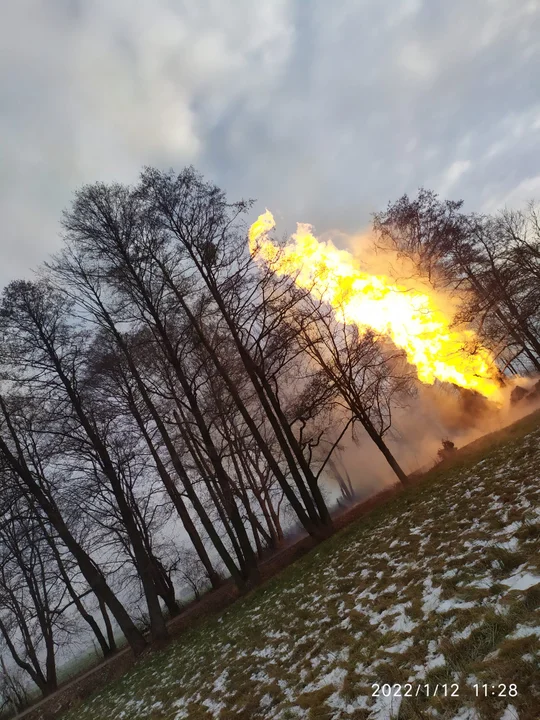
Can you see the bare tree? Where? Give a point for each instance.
(191, 571)
(68, 573)
(361, 373)
(14, 695)
(27, 456)
(32, 615)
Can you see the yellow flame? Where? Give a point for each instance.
(410, 318)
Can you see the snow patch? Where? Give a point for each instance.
(510, 713)
(523, 631)
(521, 581)
(385, 708)
(431, 596)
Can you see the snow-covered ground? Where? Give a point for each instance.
(434, 594)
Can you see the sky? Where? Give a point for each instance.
(321, 111)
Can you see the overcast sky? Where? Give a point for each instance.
(322, 110)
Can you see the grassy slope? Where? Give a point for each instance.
(441, 584)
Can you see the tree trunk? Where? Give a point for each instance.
(108, 625)
(383, 447)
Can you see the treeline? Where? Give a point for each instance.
(168, 406)
(155, 377)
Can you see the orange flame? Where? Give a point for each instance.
(410, 318)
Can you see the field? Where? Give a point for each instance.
(439, 588)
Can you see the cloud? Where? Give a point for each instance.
(528, 190)
(451, 176)
(414, 59)
(323, 111)
(96, 90)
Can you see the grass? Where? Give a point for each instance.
(439, 585)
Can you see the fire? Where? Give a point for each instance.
(409, 317)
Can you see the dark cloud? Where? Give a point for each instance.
(322, 111)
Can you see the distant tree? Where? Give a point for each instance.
(191, 571)
(447, 451)
(14, 694)
(339, 471)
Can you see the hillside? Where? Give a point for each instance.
(439, 586)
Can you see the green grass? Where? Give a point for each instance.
(439, 585)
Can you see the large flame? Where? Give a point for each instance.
(409, 317)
